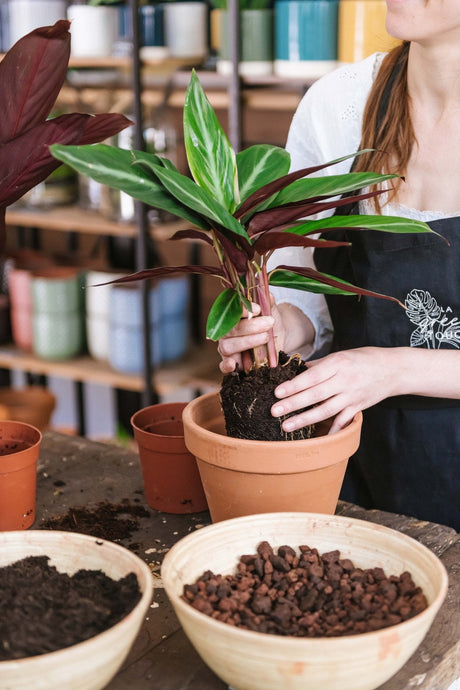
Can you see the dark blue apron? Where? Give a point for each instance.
(409, 457)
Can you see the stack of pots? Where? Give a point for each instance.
(97, 299)
(168, 317)
(47, 309)
(58, 315)
(19, 279)
(305, 37)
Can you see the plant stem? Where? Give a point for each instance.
(263, 298)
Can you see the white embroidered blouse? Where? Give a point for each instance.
(326, 126)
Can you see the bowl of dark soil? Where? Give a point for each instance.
(302, 601)
(72, 606)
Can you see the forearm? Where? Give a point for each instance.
(298, 330)
(432, 373)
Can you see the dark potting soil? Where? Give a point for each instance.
(114, 522)
(44, 610)
(248, 396)
(305, 595)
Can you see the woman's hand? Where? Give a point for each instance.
(338, 385)
(251, 331)
(291, 329)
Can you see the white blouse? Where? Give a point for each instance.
(326, 126)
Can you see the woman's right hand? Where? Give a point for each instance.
(251, 331)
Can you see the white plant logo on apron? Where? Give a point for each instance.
(435, 325)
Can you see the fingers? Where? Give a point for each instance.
(324, 391)
(248, 334)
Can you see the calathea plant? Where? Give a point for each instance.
(31, 75)
(245, 206)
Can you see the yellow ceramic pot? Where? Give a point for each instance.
(361, 30)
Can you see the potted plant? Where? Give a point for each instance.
(245, 206)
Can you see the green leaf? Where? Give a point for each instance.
(331, 185)
(289, 279)
(366, 222)
(196, 198)
(260, 164)
(114, 167)
(210, 157)
(224, 314)
(310, 280)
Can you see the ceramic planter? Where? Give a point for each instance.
(186, 29)
(242, 477)
(97, 310)
(305, 37)
(19, 450)
(171, 479)
(94, 30)
(26, 15)
(361, 30)
(256, 43)
(58, 313)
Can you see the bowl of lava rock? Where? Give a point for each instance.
(302, 601)
(72, 606)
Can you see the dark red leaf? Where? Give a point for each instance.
(328, 280)
(2, 229)
(192, 235)
(31, 76)
(292, 212)
(274, 187)
(276, 240)
(26, 160)
(160, 271)
(100, 127)
(237, 254)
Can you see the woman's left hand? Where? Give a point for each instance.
(338, 385)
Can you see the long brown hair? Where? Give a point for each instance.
(387, 126)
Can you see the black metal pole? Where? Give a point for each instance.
(149, 395)
(234, 90)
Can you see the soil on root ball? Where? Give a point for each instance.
(247, 398)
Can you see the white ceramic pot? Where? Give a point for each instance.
(259, 661)
(94, 30)
(97, 297)
(186, 29)
(26, 15)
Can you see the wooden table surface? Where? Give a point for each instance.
(75, 472)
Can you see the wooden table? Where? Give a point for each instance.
(75, 472)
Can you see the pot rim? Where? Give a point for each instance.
(347, 431)
(301, 644)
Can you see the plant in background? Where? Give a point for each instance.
(96, 3)
(31, 74)
(245, 206)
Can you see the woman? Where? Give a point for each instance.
(401, 367)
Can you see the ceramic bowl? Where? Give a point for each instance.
(93, 663)
(249, 660)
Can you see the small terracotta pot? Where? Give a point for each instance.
(32, 405)
(171, 479)
(19, 450)
(245, 477)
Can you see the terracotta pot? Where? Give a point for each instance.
(19, 450)
(244, 477)
(171, 478)
(32, 405)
